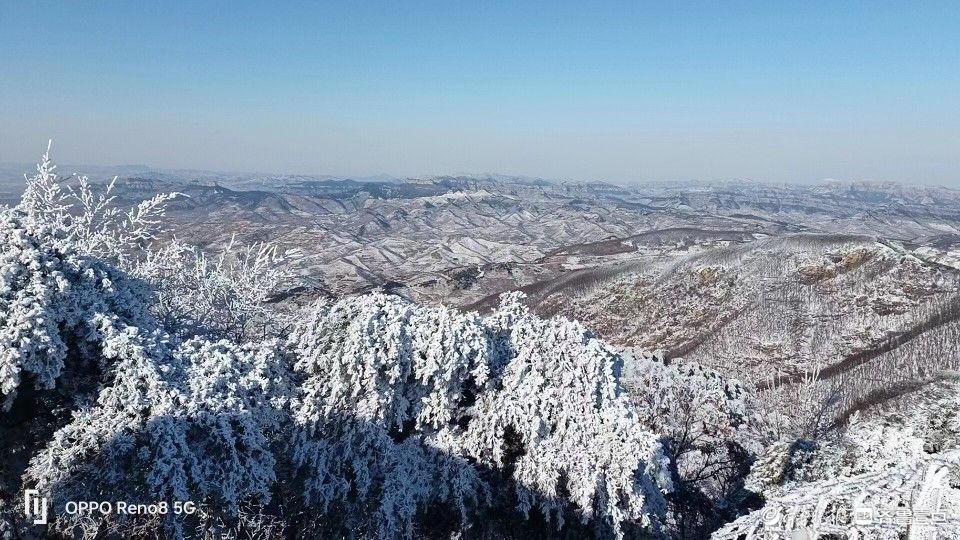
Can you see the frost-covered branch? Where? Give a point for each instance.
(88, 222)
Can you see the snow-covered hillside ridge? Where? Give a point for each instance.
(892, 477)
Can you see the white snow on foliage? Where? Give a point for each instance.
(886, 478)
(49, 297)
(378, 406)
(465, 385)
(195, 419)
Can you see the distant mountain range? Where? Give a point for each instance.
(857, 281)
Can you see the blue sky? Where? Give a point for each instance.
(619, 91)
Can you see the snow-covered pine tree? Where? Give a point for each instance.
(197, 420)
(400, 407)
(539, 399)
(88, 222)
(50, 296)
(224, 294)
(703, 420)
(117, 403)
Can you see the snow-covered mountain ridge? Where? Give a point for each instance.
(804, 374)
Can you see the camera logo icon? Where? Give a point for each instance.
(35, 506)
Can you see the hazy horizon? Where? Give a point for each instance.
(621, 92)
(14, 172)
